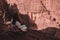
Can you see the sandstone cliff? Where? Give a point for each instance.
(43, 12)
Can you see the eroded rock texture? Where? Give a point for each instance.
(45, 13)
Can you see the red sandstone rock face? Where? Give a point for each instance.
(43, 13)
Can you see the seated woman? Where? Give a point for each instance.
(17, 22)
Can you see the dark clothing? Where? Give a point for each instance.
(15, 18)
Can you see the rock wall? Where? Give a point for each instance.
(45, 13)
